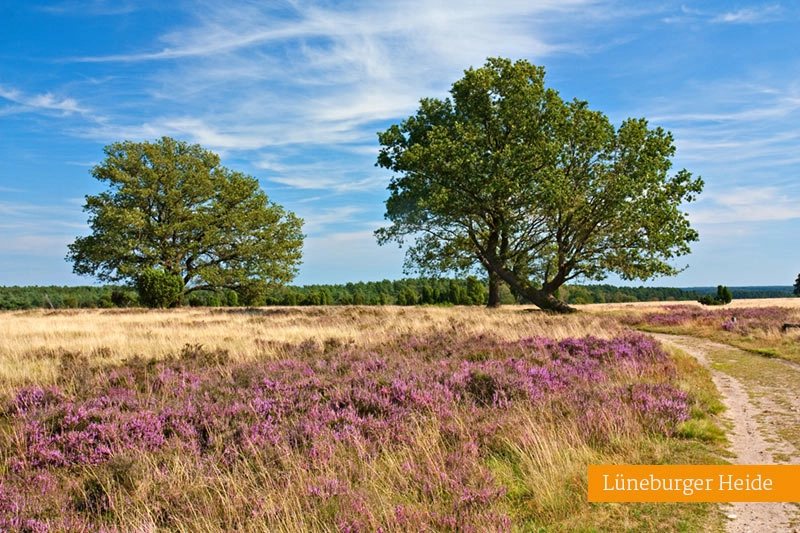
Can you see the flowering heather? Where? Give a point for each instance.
(673, 315)
(735, 320)
(425, 413)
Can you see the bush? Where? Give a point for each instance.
(159, 288)
(709, 300)
(232, 298)
(723, 297)
(724, 294)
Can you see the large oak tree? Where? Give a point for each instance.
(536, 190)
(171, 206)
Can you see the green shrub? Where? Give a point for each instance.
(232, 298)
(159, 288)
(724, 296)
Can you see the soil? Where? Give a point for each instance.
(762, 397)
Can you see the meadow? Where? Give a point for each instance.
(342, 419)
(753, 325)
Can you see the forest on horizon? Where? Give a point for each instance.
(410, 291)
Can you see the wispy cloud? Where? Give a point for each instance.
(756, 15)
(360, 27)
(36, 244)
(15, 215)
(271, 75)
(330, 185)
(331, 176)
(739, 131)
(40, 230)
(46, 102)
(749, 15)
(322, 220)
(279, 78)
(90, 7)
(742, 205)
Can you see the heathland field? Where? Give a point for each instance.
(356, 418)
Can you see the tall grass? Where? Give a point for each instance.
(352, 419)
(33, 342)
(757, 329)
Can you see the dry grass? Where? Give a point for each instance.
(540, 457)
(752, 325)
(32, 343)
(793, 303)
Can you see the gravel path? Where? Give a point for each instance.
(759, 405)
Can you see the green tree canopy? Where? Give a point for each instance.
(171, 205)
(536, 190)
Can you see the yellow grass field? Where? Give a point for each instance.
(793, 303)
(316, 418)
(32, 342)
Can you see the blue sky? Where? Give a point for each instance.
(294, 92)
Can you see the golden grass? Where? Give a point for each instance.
(766, 339)
(543, 462)
(32, 343)
(793, 303)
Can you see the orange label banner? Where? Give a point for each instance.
(694, 483)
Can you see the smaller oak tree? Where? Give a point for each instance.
(172, 208)
(797, 286)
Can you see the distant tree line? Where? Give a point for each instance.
(423, 291)
(55, 297)
(415, 291)
(749, 293)
(598, 294)
(587, 294)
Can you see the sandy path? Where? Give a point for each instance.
(757, 408)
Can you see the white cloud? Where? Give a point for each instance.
(331, 185)
(90, 7)
(337, 70)
(39, 230)
(37, 244)
(738, 131)
(331, 176)
(747, 204)
(751, 15)
(46, 102)
(318, 220)
(359, 35)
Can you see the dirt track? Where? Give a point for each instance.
(762, 397)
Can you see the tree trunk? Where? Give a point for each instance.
(494, 289)
(547, 301)
(543, 299)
